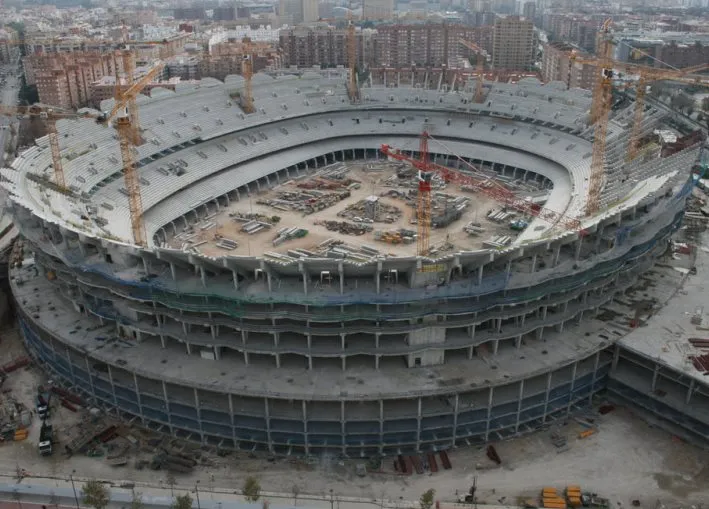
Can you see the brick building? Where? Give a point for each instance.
(556, 66)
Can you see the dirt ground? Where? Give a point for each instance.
(627, 459)
(372, 183)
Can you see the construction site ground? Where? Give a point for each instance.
(371, 183)
(627, 459)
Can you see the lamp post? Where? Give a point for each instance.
(196, 492)
(73, 487)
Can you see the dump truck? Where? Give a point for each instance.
(45, 439)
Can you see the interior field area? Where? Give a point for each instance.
(350, 209)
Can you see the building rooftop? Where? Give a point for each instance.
(200, 127)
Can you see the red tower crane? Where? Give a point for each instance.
(487, 186)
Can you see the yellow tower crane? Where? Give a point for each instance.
(479, 92)
(602, 99)
(125, 136)
(247, 71)
(352, 89)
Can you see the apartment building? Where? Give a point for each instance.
(557, 66)
(64, 79)
(324, 45)
(105, 88)
(514, 44)
(8, 44)
(427, 45)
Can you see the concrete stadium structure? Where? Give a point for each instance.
(253, 352)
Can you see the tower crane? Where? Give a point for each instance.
(352, 90)
(602, 99)
(487, 186)
(125, 136)
(247, 71)
(479, 93)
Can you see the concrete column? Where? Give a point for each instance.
(655, 372)
(91, 379)
(246, 357)
(381, 426)
(556, 255)
(471, 351)
(489, 413)
(189, 348)
(419, 418)
(343, 427)
(574, 369)
(305, 427)
(113, 386)
(690, 389)
(267, 414)
(231, 419)
(199, 414)
(546, 397)
(596, 363)
(534, 263)
(456, 405)
(616, 356)
(495, 346)
(520, 395)
(341, 271)
(137, 397)
(480, 275)
(579, 243)
(167, 404)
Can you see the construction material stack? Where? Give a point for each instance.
(573, 495)
(551, 499)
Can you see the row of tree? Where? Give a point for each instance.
(95, 494)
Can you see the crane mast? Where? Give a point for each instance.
(423, 204)
(352, 90)
(479, 92)
(601, 105)
(247, 71)
(56, 153)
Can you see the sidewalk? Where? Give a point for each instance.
(59, 492)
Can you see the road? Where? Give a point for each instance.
(43, 493)
(8, 97)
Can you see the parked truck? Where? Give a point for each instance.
(45, 439)
(42, 403)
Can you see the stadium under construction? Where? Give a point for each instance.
(280, 303)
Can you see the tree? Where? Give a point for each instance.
(426, 500)
(137, 501)
(251, 489)
(95, 494)
(182, 502)
(171, 481)
(295, 490)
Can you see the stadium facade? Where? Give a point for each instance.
(396, 353)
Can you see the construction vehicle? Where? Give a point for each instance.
(483, 184)
(46, 436)
(42, 403)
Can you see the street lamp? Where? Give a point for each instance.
(196, 492)
(73, 487)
